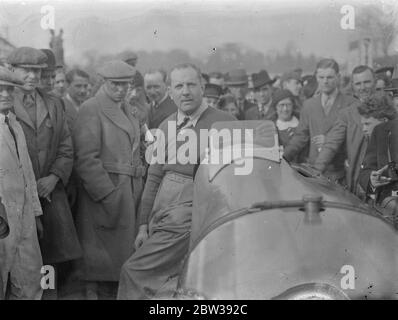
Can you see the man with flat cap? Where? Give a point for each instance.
(262, 86)
(107, 161)
(50, 149)
(21, 260)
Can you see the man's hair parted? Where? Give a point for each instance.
(328, 63)
(70, 75)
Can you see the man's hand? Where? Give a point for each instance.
(376, 178)
(141, 236)
(39, 227)
(46, 185)
(318, 140)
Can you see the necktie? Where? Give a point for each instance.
(328, 104)
(182, 124)
(7, 122)
(29, 105)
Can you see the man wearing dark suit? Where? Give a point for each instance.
(161, 105)
(318, 116)
(264, 110)
(382, 150)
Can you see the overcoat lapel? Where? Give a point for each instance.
(111, 110)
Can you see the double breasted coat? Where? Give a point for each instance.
(50, 149)
(107, 161)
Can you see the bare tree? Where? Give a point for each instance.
(379, 23)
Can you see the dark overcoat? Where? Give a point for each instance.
(51, 152)
(384, 137)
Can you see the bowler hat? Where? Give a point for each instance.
(236, 77)
(117, 70)
(212, 90)
(51, 65)
(9, 78)
(261, 79)
(27, 57)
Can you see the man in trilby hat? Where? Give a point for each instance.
(262, 86)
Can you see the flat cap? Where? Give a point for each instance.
(28, 57)
(117, 70)
(51, 64)
(9, 78)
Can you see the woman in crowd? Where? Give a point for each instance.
(286, 121)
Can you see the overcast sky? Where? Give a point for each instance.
(194, 25)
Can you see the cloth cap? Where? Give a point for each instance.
(9, 78)
(117, 70)
(27, 57)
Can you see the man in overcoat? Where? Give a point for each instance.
(20, 257)
(107, 161)
(50, 149)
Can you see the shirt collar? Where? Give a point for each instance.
(193, 118)
(283, 125)
(156, 104)
(10, 115)
(331, 96)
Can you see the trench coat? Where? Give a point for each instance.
(20, 250)
(345, 136)
(107, 162)
(50, 150)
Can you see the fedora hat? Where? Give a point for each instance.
(236, 77)
(261, 79)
